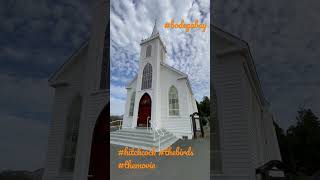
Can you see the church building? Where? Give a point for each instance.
(160, 95)
(159, 101)
(243, 136)
(77, 142)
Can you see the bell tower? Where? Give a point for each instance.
(152, 54)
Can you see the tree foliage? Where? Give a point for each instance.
(204, 110)
(300, 146)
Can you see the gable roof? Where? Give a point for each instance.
(238, 46)
(54, 76)
(173, 69)
(182, 76)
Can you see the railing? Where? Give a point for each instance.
(119, 125)
(148, 119)
(158, 131)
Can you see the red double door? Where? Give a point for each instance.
(144, 113)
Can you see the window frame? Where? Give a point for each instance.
(173, 102)
(146, 81)
(149, 51)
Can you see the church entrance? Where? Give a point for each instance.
(144, 113)
(99, 158)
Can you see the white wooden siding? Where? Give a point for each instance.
(233, 123)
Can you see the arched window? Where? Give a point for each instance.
(148, 52)
(132, 103)
(71, 135)
(147, 77)
(173, 101)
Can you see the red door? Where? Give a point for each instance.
(99, 162)
(144, 110)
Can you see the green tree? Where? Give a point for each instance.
(304, 142)
(204, 110)
(300, 146)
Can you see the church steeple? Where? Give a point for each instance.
(155, 28)
(155, 37)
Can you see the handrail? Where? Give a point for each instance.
(156, 130)
(148, 119)
(162, 133)
(120, 124)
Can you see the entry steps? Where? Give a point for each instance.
(142, 138)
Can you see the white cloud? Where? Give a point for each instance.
(116, 106)
(117, 91)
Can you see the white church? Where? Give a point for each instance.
(159, 101)
(159, 94)
(242, 136)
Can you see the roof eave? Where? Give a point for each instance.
(53, 77)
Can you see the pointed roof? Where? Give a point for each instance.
(155, 28)
(155, 34)
(74, 57)
(237, 45)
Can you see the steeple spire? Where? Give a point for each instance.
(155, 28)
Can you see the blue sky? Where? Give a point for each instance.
(131, 21)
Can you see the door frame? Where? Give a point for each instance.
(143, 96)
(102, 124)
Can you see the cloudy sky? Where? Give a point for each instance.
(132, 21)
(37, 36)
(284, 39)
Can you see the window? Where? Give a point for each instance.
(71, 135)
(132, 103)
(147, 77)
(173, 102)
(148, 52)
(104, 75)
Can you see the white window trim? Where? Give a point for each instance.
(168, 100)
